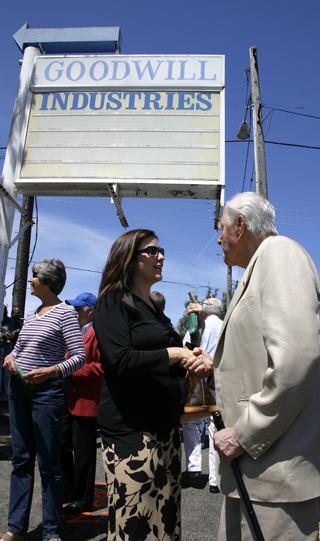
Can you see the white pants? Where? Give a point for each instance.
(192, 447)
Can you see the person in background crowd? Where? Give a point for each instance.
(7, 326)
(209, 318)
(139, 411)
(158, 300)
(37, 366)
(267, 378)
(18, 322)
(78, 437)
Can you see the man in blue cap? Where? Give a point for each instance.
(78, 438)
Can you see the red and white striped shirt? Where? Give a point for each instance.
(43, 341)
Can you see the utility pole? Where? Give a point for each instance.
(258, 140)
(21, 273)
(258, 143)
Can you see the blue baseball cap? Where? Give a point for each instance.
(84, 299)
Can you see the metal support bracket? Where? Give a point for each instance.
(116, 199)
(29, 221)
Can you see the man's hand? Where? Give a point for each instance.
(227, 445)
(195, 307)
(201, 363)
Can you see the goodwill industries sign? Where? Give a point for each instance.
(152, 125)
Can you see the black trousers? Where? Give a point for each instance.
(78, 458)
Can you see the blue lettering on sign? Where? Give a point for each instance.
(58, 98)
(203, 72)
(205, 102)
(148, 67)
(59, 72)
(93, 70)
(182, 72)
(81, 72)
(93, 96)
(75, 103)
(170, 68)
(115, 70)
(184, 98)
(44, 105)
(170, 101)
(132, 97)
(148, 99)
(113, 100)
(96, 101)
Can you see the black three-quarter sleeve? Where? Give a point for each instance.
(131, 346)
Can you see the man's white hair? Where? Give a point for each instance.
(85, 307)
(212, 307)
(257, 211)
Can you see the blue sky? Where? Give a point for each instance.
(80, 231)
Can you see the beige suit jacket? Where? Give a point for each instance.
(267, 376)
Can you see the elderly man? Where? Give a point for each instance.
(78, 438)
(211, 310)
(267, 378)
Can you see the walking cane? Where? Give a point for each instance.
(218, 421)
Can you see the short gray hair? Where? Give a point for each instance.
(212, 307)
(257, 211)
(52, 272)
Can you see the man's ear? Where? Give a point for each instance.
(241, 226)
(90, 312)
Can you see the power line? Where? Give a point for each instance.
(290, 112)
(162, 281)
(273, 143)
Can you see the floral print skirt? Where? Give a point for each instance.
(143, 486)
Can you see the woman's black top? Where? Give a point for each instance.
(141, 392)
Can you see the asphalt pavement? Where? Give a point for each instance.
(200, 509)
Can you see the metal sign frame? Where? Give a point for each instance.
(186, 85)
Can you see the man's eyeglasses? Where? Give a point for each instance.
(34, 275)
(151, 250)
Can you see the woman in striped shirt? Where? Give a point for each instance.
(37, 402)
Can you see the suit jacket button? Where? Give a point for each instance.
(260, 449)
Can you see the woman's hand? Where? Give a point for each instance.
(40, 374)
(9, 364)
(200, 363)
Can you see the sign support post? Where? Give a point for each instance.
(8, 174)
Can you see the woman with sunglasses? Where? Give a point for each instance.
(139, 411)
(37, 366)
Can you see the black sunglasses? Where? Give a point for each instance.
(151, 250)
(34, 275)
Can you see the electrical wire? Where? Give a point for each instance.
(290, 112)
(162, 281)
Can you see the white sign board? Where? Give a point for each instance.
(150, 126)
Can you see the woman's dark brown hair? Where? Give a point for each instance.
(117, 274)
